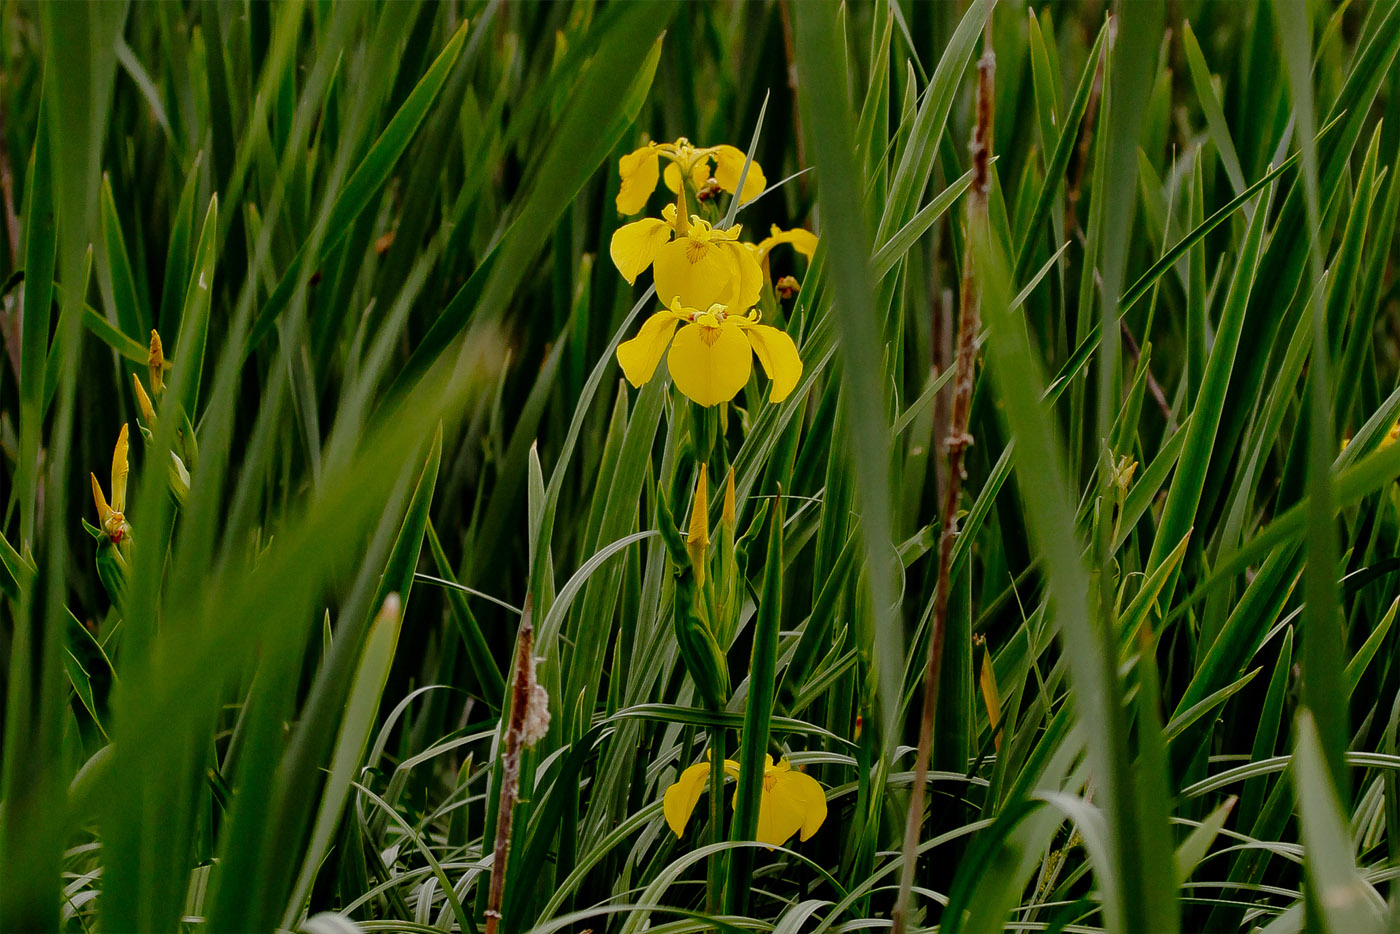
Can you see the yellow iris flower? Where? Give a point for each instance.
(692, 260)
(112, 517)
(712, 354)
(641, 169)
(791, 801)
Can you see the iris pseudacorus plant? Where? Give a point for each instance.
(791, 801)
(641, 169)
(712, 354)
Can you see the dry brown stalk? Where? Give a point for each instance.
(524, 708)
(958, 441)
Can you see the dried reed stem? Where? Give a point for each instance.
(958, 441)
(510, 770)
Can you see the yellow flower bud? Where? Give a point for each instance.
(148, 412)
(697, 540)
(155, 361)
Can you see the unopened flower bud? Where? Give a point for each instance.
(148, 412)
(697, 540)
(155, 361)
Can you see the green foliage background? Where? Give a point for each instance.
(373, 238)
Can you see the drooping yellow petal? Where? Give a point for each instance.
(120, 468)
(103, 510)
(710, 364)
(805, 790)
(697, 269)
(749, 283)
(639, 356)
(680, 799)
(729, 163)
(778, 355)
(639, 171)
(779, 817)
(699, 173)
(634, 246)
(789, 802)
(803, 241)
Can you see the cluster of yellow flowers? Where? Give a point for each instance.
(708, 281)
(710, 285)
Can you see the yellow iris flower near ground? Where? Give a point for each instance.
(112, 518)
(641, 168)
(712, 353)
(791, 801)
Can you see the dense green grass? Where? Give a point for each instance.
(374, 239)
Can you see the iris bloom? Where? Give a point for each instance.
(712, 353)
(790, 802)
(690, 259)
(641, 169)
(112, 518)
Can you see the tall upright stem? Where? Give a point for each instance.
(957, 443)
(510, 772)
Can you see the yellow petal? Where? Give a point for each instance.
(778, 355)
(803, 241)
(699, 174)
(710, 365)
(120, 467)
(634, 246)
(729, 162)
(749, 282)
(779, 817)
(680, 799)
(806, 793)
(787, 804)
(639, 171)
(639, 356)
(700, 272)
(103, 510)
